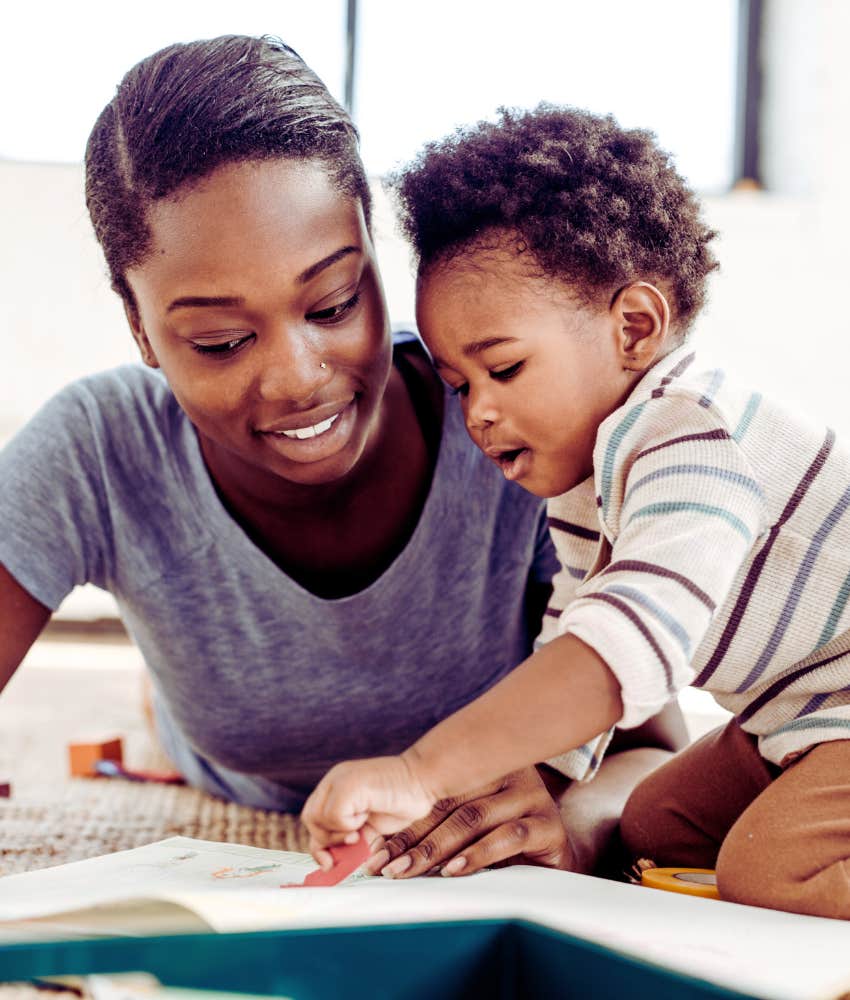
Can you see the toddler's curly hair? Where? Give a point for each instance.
(596, 205)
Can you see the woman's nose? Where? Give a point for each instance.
(292, 368)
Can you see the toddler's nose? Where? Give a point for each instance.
(480, 413)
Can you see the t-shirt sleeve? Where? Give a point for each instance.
(54, 525)
(683, 515)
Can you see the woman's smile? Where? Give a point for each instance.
(313, 436)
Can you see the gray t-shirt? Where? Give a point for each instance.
(261, 685)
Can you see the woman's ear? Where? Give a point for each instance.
(642, 316)
(139, 335)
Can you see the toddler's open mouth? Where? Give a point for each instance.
(514, 463)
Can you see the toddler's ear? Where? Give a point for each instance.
(139, 335)
(642, 316)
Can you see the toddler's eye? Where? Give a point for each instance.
(505, 374)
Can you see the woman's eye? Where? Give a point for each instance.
(223, 349)
(505, 374)
(459, 390)
(335, 314)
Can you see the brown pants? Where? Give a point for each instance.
(778, 838)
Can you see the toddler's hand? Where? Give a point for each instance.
(382, 792)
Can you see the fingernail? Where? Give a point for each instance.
(399, 866)
(454, 866)
(377, 861)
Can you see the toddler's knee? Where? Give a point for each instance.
(757, 872)
(745, 873)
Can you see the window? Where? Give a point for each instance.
(422, 68)
(61, 62)
(425, 68)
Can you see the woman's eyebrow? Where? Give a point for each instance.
(200, 301)
(206, 301)
(319, 266)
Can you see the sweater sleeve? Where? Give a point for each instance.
(682, 511)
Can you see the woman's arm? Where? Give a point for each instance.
(22, 619)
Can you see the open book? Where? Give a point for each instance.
(183, 884)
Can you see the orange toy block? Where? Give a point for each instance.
(83, 757)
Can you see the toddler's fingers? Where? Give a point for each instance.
(373, 838)
(323, 858)
(320, 840)
(341, 819)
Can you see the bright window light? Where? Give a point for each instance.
(425, 68)
(60, 62)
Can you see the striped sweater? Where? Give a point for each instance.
(711, 547)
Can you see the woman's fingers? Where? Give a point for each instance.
(517, 817)
(532, 839)
(463, 822)
(403, 840)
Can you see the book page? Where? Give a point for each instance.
(232, 888)
(167, 870)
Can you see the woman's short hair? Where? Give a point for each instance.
(190, 108)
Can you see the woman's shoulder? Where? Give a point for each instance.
(130, 386)
(129, 407)
(122, 417)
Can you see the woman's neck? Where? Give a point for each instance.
(337, 538)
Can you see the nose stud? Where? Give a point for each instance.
(322, 365)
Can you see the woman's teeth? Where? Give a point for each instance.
(302, 433)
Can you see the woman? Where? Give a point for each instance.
(299, 536)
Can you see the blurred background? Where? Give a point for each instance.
(750, 96)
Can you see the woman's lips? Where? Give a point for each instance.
(314, 430)
(312, 439)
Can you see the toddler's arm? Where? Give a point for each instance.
(560, 697)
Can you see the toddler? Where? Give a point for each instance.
(703, 531)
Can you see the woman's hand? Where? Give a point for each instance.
(513, 819)
(383, 794)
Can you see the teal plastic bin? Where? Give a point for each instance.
(435, 961)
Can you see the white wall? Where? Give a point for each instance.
(776, 315)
